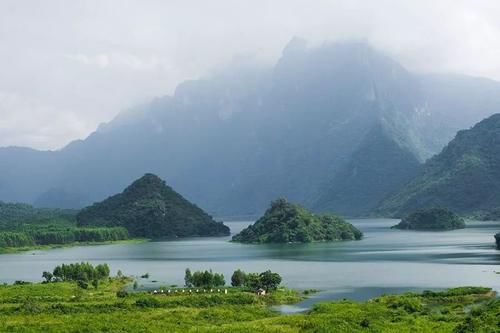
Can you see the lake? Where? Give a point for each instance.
(385, 261)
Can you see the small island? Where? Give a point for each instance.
(433, 219)
(285, 222)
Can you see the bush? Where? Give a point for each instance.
(121, 293)
(82, 284)
(149, 302)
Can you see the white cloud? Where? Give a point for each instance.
(74, 64)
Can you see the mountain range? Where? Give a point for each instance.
(338, 127)
(464, 177)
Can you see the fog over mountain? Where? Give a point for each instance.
(69, 66)
(336, 127)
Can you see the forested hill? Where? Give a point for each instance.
(464, 177)
(150, 208)
(285, 222)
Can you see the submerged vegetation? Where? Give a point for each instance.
(434, 219)
(285, 222)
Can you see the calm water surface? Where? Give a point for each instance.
(385, 261)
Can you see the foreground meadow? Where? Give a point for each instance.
(65, 307)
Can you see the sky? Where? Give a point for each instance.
(67, 66)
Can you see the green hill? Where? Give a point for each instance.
(15, 216)
(285, 222)
(464, 177)
(150, 208)
(434, 219)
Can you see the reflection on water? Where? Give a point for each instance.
(385, 261)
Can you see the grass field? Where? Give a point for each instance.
(63, 307)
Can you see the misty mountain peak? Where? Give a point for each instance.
(294, 46)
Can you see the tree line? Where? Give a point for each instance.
(203, 279)
(266, 280)
(82, 273)
(46, 236)
(207, 279)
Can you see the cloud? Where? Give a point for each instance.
(78, 63)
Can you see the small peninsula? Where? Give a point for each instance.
(150, 208)
(285, 222)
(433, 219)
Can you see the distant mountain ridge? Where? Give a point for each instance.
(464, 177)
(326, 127)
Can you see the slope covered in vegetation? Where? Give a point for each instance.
(464, 177)
(150, 208)
(285, 222)
(438, 219)
(24, 226)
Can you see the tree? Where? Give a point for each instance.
(95, 284)
(252, 281)
(269, 280)
(218, 280)
(102, 271)
(82, 284)
(136, 285)
(188, 278)
(238, 278)
(58, 274)
(47, 276)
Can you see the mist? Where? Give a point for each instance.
(69, 66)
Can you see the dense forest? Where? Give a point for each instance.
(464, 177)
(23, 225)
(438, 219)
(149, 208)
(285, 222)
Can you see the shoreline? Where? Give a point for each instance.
(13, 250)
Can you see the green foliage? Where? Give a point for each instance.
(47, 276)
(188, 278)
(432, 219)
(464, 177)
(22, 225)
(204, 279)
(238, 278)
(252, 281)
(58, 307)
(149, 208)
(14, 216)
(284, 222)
(83, 272)
(82, 284)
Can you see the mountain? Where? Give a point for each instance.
(464, 177)
(336, 127)
(432, 219)
(285, 222)
(150, 208)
